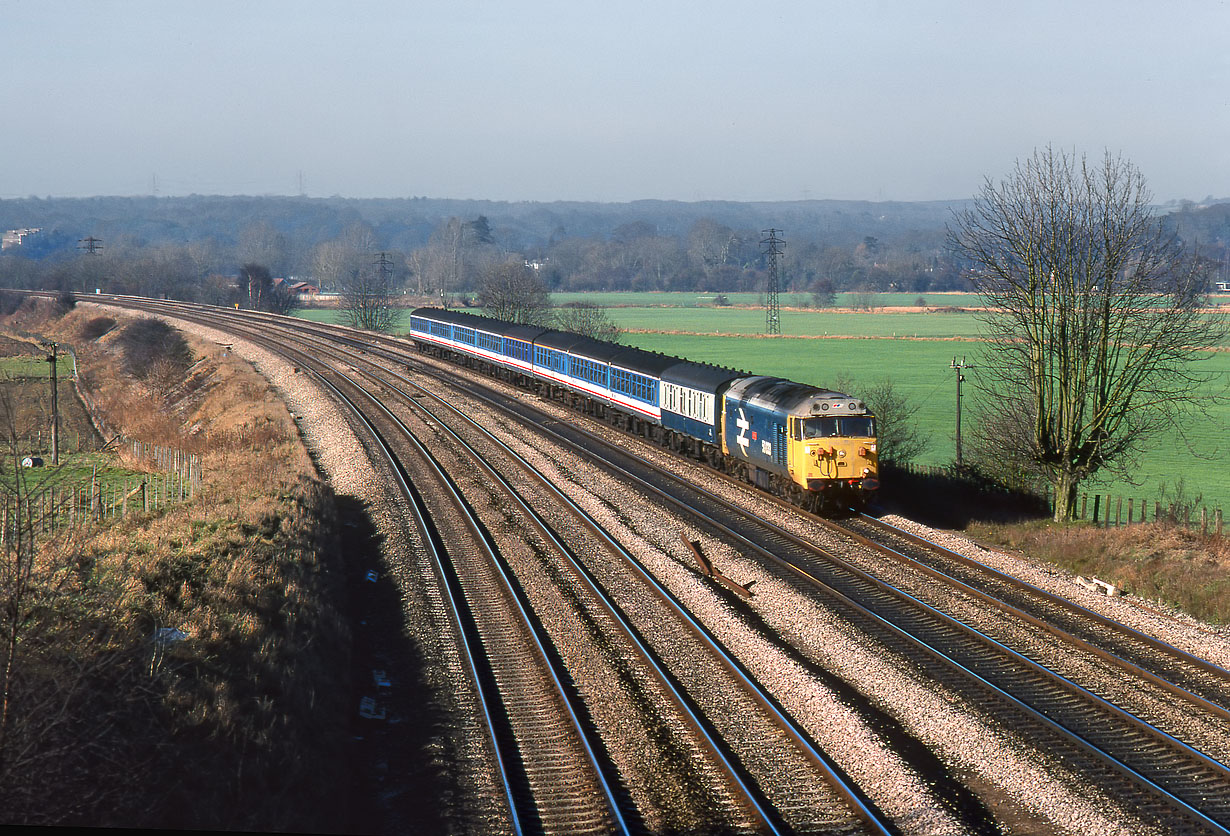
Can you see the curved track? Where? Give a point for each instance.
(1177, 785)
(485, 586)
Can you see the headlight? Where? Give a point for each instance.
(841, 454)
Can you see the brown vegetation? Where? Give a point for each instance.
(181, 670)
(1158, 561)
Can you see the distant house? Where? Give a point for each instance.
(1223, 287)
(17, 237)
(292, 285)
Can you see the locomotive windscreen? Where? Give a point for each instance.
(857, 426)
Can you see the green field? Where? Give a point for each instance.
(922, 370)
(725, 321)
(25, 366)
(618, 299)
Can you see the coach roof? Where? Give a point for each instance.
(481, 323)
(700, 376)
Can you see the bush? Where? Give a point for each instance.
(150, 344)
(96, 327)
(10, 301)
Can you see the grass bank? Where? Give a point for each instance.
(1158, 561)
(181, 669)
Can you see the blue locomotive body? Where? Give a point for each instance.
(755, 424)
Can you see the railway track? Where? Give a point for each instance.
(1133, 753)
(545, 752)
(1175, 784)
(1205, 686)
(776, 738)
(812, 796)
(1172, 780)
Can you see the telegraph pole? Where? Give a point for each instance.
(959, 368)
(55, 409)
(772, 249)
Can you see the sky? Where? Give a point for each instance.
(614, 100)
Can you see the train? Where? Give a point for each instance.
(811, 446)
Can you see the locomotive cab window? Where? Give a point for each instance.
(859, 426)
(819, 427)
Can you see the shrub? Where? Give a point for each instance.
(151, 343)
(10, 301)
(96, 327)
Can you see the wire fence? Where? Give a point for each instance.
(57, 507)
(1108, 510)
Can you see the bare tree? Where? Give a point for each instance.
(1095, 313)
(255, 285)
(367, 301)
(589, 320)
(261, 243)
(898, 439)
(515, 293)
(460, 253)
(823, 294)
(999, 445)
(330, 264)
(281, 299)
(333, 260)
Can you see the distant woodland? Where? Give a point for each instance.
(193, 247)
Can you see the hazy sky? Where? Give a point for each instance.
(612, 100)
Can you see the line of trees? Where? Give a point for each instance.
(190, 248)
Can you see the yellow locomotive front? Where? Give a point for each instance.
(829, 451)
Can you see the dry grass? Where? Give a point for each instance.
(1158, 561)
(243, 724)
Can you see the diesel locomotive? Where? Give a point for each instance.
(812, 446)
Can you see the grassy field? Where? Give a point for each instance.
(332, 316)
(786, 300)
(16, 368)
(922, 370)
(751, 322)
